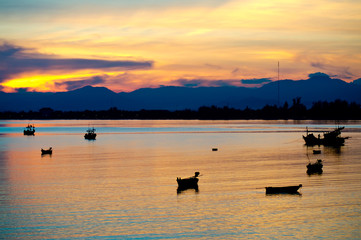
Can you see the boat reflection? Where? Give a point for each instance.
(326, 150)
(46, 155)
(335, 150)
(284, 194)
(181, 190)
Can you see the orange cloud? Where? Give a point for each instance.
(185, 39)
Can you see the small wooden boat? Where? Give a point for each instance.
(214, 149)
(90, 134)
(315, 167)
(29, 130)
(316, 151)
(288, 189)
(188, 183)
(47, 151)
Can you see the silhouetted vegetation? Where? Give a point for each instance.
(336, 110)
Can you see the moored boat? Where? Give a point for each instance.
(90, 134)
(332, 138)
(315, 167)
(287, 189)
(311, 140)
(47, 151)
(29, 130)
(188, 183)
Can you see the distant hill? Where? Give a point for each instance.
(88, 97)
(319, 87)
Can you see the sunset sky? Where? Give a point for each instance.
(125, 45)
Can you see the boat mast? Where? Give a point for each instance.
(278, 85)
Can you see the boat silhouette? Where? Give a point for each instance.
(90, 134)
(188, 183)
(332, 138)
(287, 189)
(47, 151)
(315, 167)
(29, 130)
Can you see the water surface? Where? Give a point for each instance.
(123, 184)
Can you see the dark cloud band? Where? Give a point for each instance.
(256, 81)
(218, 83)
(14, 60)
(72, 85)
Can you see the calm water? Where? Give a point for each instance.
(123, 184)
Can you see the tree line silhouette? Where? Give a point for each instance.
(321, 110)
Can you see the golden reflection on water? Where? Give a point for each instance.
(124, 185)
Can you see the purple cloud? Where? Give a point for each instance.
(218, 83)
(256, 81)
(72, 85)
(15, 59)
(318, 75)
(340, 72)
(235, 71)
(205, 83)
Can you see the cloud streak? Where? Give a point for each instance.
(341, 72)
(15, 60)
(205, 83)
(72, 85)
(219, 83)
(256, 81)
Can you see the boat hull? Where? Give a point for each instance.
(288, 189)
(316, 151)
(29, 133)
(46, 151)
(90, 136)
(187, 183)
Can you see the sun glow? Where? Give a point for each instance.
(46, 82)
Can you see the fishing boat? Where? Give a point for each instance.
(315, 167)
(332, 138)
(90, 134)
(47, 151)
(288, 189)
(188, 183)
(29, 130)
(311, 140)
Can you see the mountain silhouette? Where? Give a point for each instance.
(319, 87)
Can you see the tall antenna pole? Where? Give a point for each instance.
(278, 84)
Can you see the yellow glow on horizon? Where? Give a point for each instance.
(275, 55)
(47, 82)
